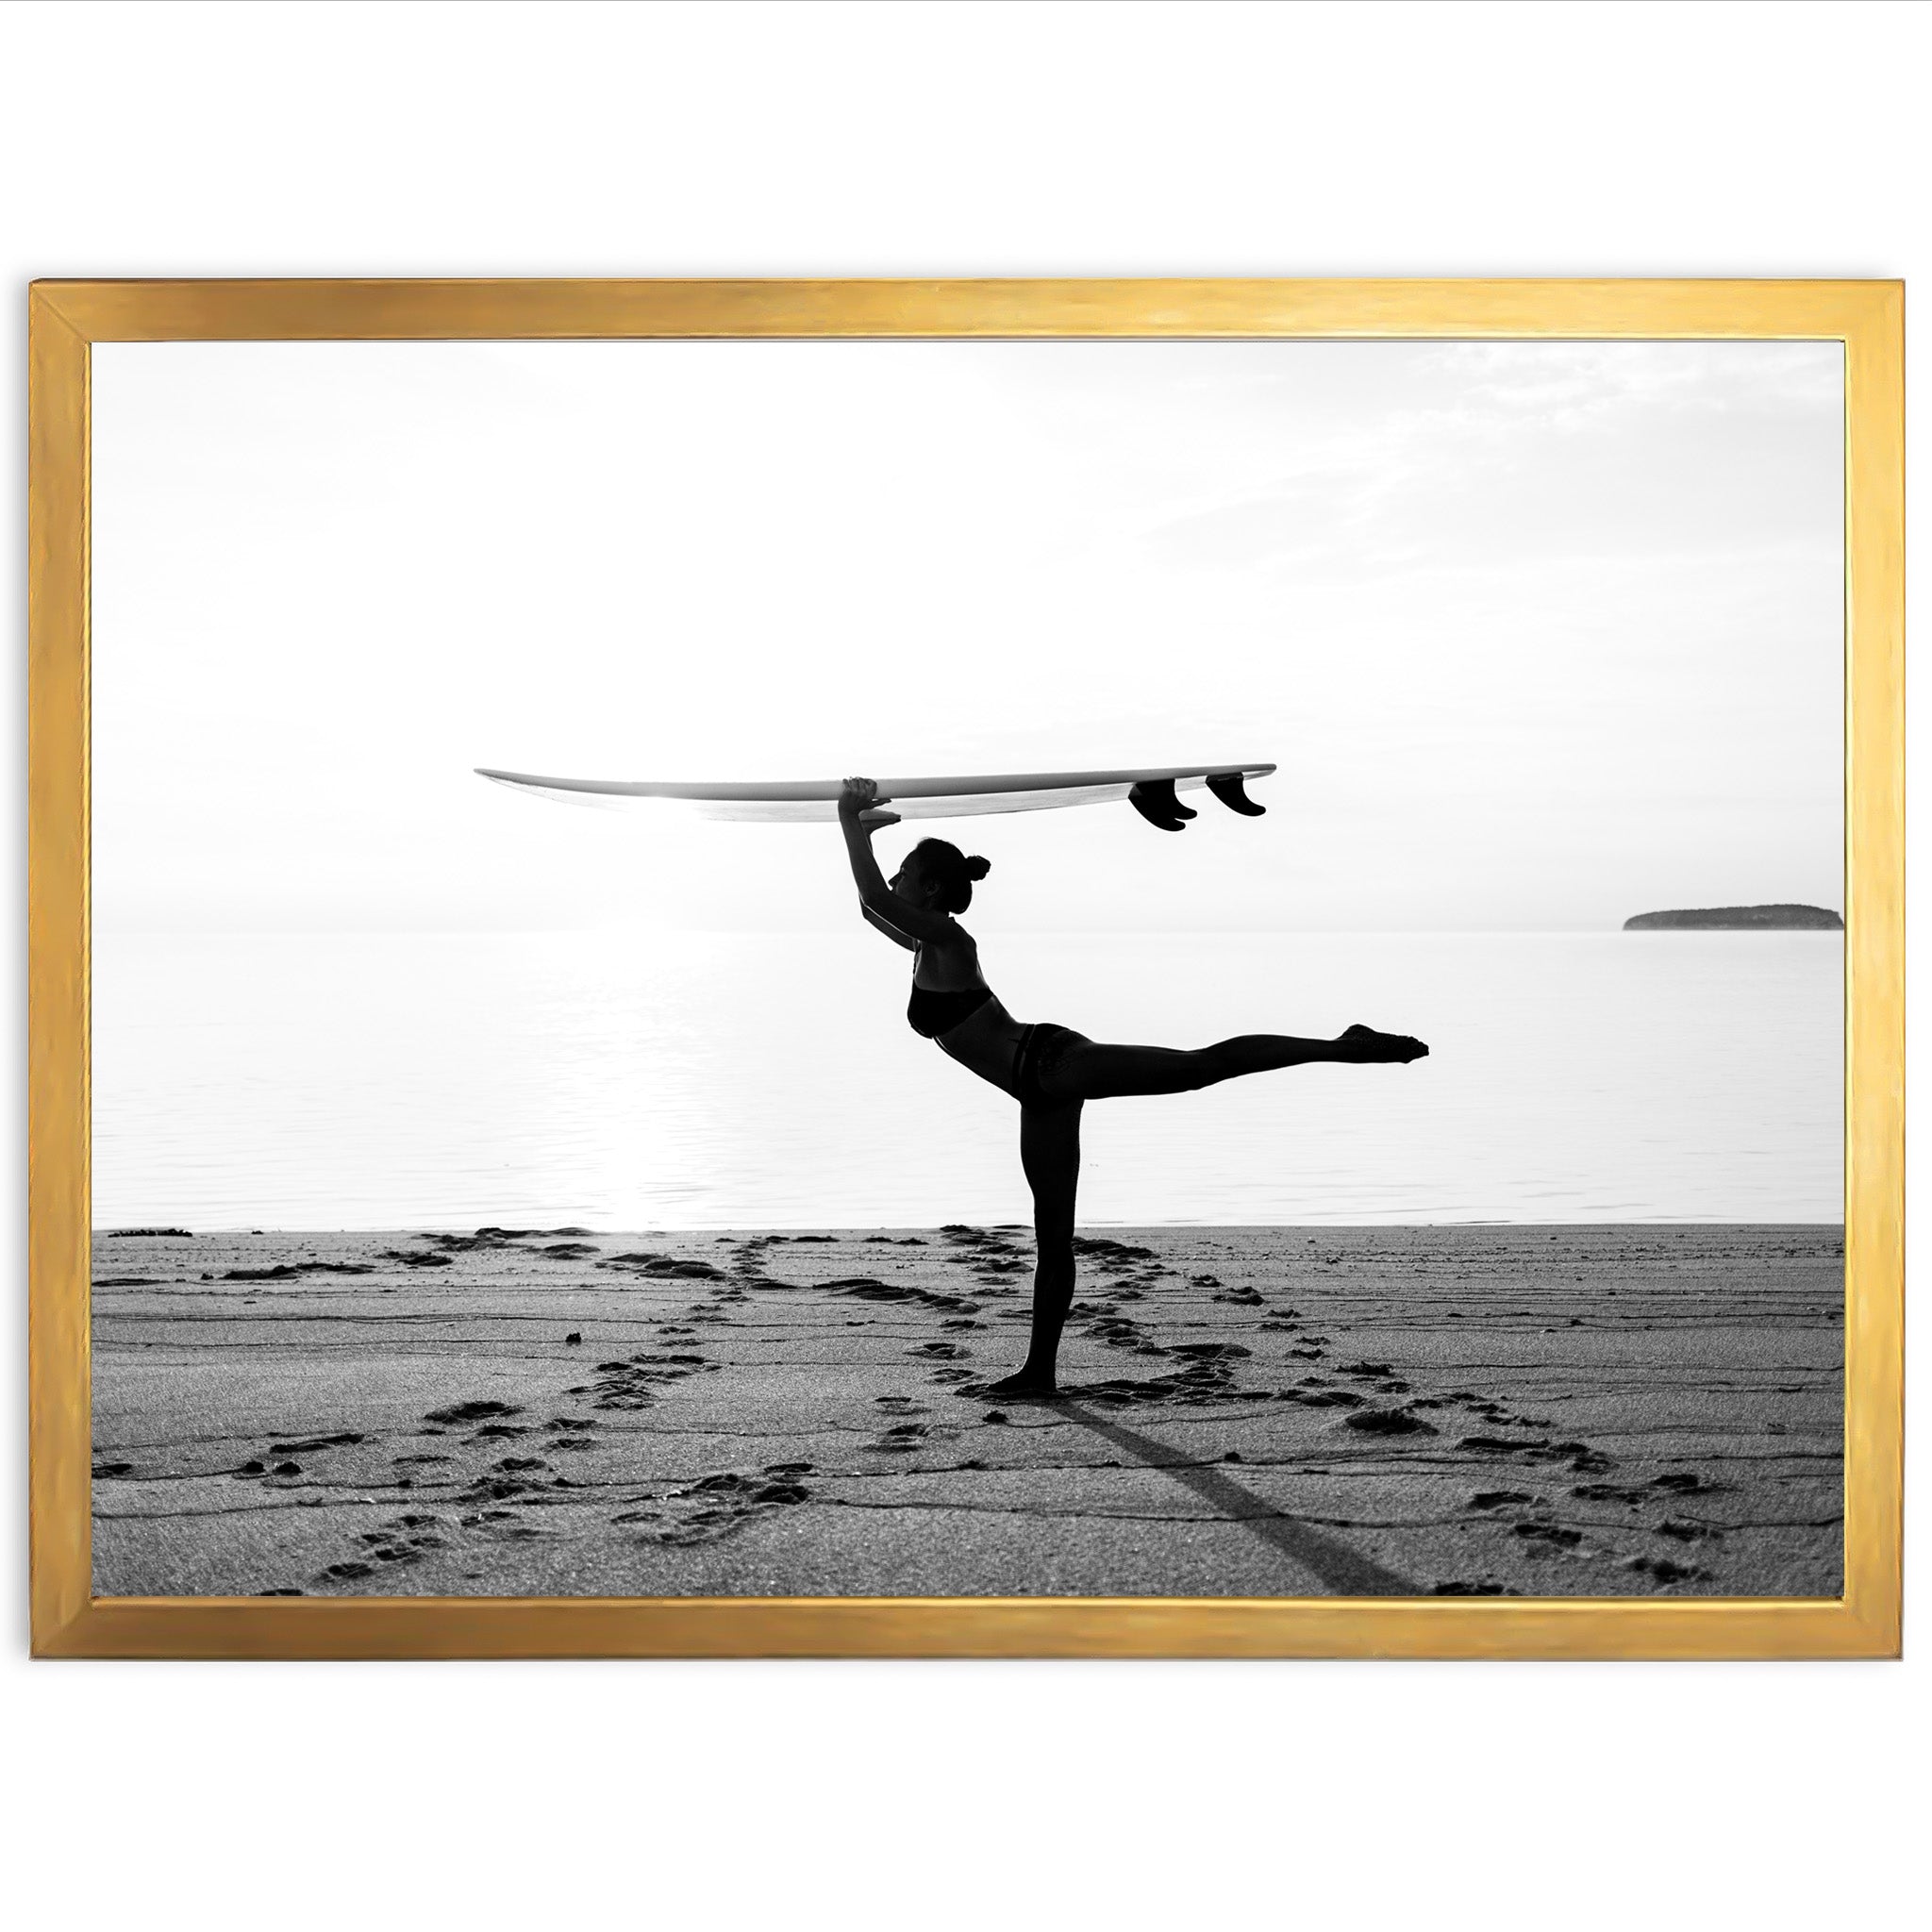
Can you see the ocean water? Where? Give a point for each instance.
(626, 1080)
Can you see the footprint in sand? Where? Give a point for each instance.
(1685, 1532)
(661, 1267)
(471, 1243)
(1496, 1445)
(716, 1505)
(1625, 1493)
(1122, 1331)
(901, 1437)
(471, 1413)
(1207, 1375)
(1322, 1398)
(1547, 1535)
(1387, 1422)
(493, 1485)
(403, 1541)
(1665, 1571)
(1098, 1248)
(632, 1382)
(289, 1271)
(867, 1287)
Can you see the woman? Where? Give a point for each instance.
(1049, 1070)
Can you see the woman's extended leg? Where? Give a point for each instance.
(1091, 1070)
(1050, 1151)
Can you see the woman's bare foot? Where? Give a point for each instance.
(1023, 1387)
(1364, 1044)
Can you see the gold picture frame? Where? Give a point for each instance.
(66, 318)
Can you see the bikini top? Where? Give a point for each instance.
(932, 1012)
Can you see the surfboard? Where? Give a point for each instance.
(1153, 793)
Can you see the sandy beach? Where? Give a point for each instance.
(1569, 1412)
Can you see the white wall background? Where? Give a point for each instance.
(457, 139)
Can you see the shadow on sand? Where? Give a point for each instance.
(1339, 1569)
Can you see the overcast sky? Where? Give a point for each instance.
(1540, 636)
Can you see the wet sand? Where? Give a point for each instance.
(1571, 1411)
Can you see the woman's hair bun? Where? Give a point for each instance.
(951, 871)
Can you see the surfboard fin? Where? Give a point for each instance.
(1155, 800)
(1228, 788)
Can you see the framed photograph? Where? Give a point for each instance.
(1234, 985)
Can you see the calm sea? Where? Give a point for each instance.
(624, 1081)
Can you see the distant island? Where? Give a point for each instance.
(1739, 918)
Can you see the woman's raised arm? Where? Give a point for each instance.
(858, 819)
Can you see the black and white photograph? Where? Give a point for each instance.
(891, 967)
(1377, 535)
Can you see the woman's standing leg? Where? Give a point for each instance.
(1050, 1153)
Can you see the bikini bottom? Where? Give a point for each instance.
(1042, 1046)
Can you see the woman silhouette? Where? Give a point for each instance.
(1051, 1071)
